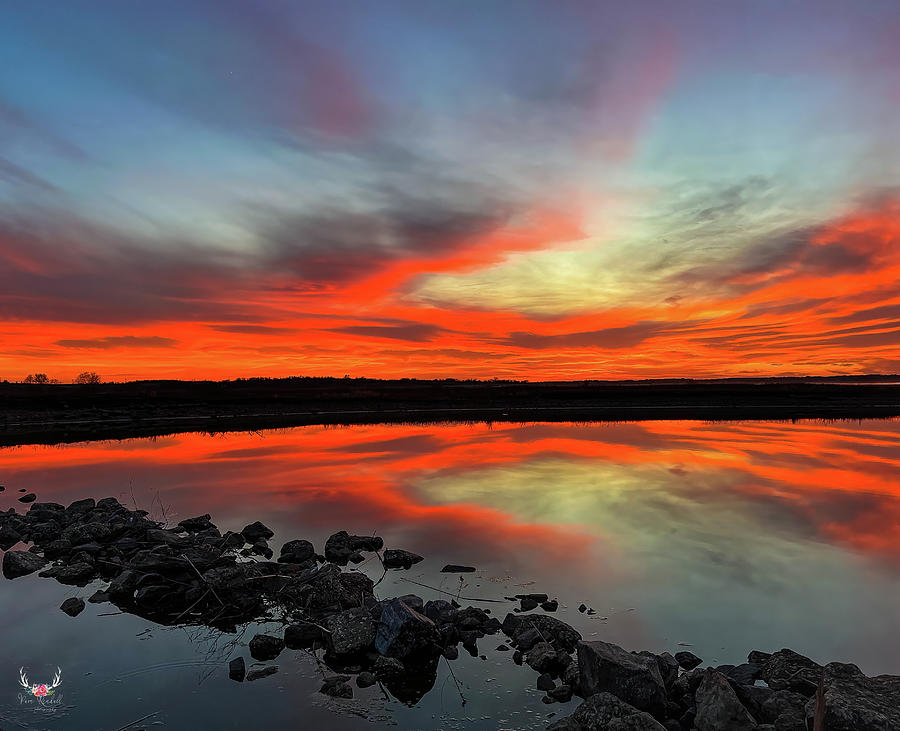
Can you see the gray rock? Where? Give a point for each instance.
(266, 647)
(561, 694)
(527, 631)
(605, 667)
(788, 670)
(21, 563)
(403, 632)
(745, 674)
(341, 546)
(399, 559)
(351, 631)
(779, 702)
(298, 551)
(606, 711)
(854, 701)
(687, 660)
(337, 687)
(365, 679)
(668, 666)
(72, 606)
(718, 707)
(546, 682)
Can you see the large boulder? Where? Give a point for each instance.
(395, 558)
(718, 707)
(606, 711)
(298, 551)
(21, 563)
(856, 702)
(256, 531)
(403, 632)
(350, 632)
(789, 670)
(605, 667)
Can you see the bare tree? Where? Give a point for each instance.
(87, 377)
(37, 378)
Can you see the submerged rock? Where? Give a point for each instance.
(263, 672)
(72, 606)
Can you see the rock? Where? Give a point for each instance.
(237, 669)
(561, 694)
(758, 657)
(8, 538)
(365, 679)
(351, 631)
(21, 563)
(398, 559)
(452, 568)
(854, 701)
(540, 627)
(606, 711)
(414, 602)
(718, 707)
(451, 653)
(550, 606)
(28, 498)
(543, 658)
(263, 672)
(341, 546)
(255, 531)
(301, 636)
(605, 667)
(72, 606)
(668, 666)
(546, 682)
(232, 540)
(687, 660)
(298, 551)
(582, 607)
(57, 549)
(98, 597)
(779, 702)
(266, 647)
(753, 697)
(518, 657)
(503, 647)
(402, 632)
(76, 574)
(789, 670)
(745, 674)
(194, 525)
(528, 604)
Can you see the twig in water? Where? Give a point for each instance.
(129, 725)
(458, 689)
(450, 593)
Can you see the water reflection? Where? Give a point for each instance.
(726, 536)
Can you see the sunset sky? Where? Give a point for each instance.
(536, 190)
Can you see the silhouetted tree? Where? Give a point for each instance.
(87, 377)
(37, 378)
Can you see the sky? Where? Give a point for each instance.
(512, 189)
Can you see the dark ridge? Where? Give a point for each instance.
(51, 413)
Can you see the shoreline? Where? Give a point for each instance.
(49, 414)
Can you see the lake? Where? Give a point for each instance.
(716, 537)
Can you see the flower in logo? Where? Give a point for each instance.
(40, 690)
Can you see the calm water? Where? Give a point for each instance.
(724, 537)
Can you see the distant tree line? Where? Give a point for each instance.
(85, 377)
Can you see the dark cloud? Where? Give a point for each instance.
(612, 338)
(883, 312)
(254, 329)
(413, 333)
(119, 341)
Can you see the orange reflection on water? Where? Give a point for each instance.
(832, 482)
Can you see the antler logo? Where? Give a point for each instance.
(40, 690)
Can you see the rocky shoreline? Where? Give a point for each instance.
(193, 574)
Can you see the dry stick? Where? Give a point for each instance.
(819, 718)
(453, 675)
(129, 725)
(450, 593)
